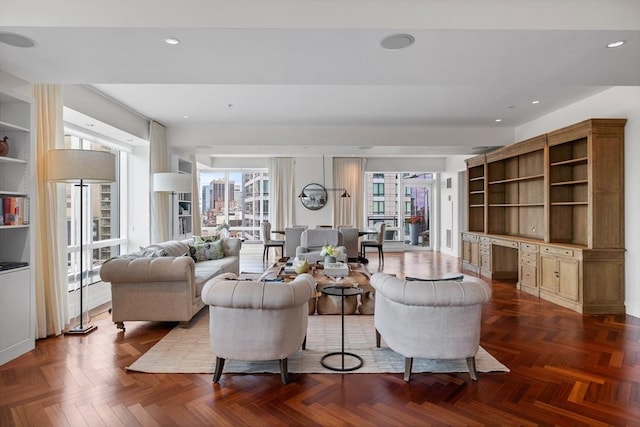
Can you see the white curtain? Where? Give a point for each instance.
(195, 200)
(281, 192)
(50, 216)
(348, 173)
(160, 203)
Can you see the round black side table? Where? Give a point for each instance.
(342, 291)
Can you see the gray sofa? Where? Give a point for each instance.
(163, 282)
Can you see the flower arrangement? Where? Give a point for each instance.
(330, 250)
(415, 219)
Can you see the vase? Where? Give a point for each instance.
(414, 232)
(329, 260)
(4, 146)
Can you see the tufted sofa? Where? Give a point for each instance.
(162, 282)
(252, 320)
(437, 319)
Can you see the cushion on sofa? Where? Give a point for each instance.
(206, 251)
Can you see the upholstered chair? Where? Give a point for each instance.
(268, 242)
(292, 239)
(377, 243)
(312, 240)
(254, 321)
(350, 237)
(430, 319)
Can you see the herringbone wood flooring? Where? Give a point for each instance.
(566, 369)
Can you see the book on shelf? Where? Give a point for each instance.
(14, 211)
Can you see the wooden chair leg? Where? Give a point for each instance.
(284, 372)
(304, 343)
(408, 365)
(471, 364)
(218, 370)
(377, 339)
(264, 253)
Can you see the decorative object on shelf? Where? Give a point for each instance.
(83, 166)
(330, 253)
(171, 182)
(4, 146)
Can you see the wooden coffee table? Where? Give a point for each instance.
(326, 304)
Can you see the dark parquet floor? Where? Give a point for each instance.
(566, 369)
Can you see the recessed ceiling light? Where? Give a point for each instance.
(16, 40)
(498, 120)
(616, 44)
(185, 117)
(535, 102)
(172, 41)
(397, 41)
(90, 125)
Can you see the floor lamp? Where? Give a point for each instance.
(81, 167)
(171, 182)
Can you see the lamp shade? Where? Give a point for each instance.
(171, 182)
(68, 165)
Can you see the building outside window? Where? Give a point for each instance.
(238, 199)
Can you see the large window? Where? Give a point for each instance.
(378, 208)
(238, 199)
(378, 188)
(101, 220)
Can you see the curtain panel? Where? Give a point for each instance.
(160, 201)
(348, 173)
(50, 218)
(281, 192)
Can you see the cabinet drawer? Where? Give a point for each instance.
(552, 250)
(533, 261)
(470, 237)
(529, 247)
(505, 243)
(529, 275)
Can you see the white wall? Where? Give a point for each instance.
(450, 205)
(618, 102)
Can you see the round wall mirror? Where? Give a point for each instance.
(313, 196)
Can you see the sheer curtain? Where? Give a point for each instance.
(349, 173)
(281, 192)
(195, 200)
(50, 216)
(158, 162)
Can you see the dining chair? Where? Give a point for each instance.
(377, 243)
(268, 242)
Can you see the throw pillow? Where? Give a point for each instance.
(452, 278)
(153, 251)
(205, 239)
(206, 251)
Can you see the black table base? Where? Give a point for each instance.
(342, 368)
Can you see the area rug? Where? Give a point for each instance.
(187, 350)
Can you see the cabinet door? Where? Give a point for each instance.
(549, 274)
(475, 253)
(466, 251)
(569, 279)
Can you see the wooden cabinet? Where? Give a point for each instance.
(17, 315)
(560, 198)
(560, 276)
(471, 252)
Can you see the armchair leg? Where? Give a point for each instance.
(120, 325)
(284, 372)
(304, 343)
(408, 365)
(471, 364)
(377, 339)
(218, 370)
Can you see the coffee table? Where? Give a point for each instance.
(328, 304)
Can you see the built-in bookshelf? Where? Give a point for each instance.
(554, 206)
(184, 203)
(17, 331)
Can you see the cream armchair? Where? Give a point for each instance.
(312, 241)
(430, 319)
(251, 320)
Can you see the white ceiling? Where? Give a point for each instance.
(246, 70)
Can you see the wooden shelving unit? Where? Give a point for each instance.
(560, 198)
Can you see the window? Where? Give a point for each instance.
(378, 208)
(378, 188)
(239, 199)
(101, 219)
